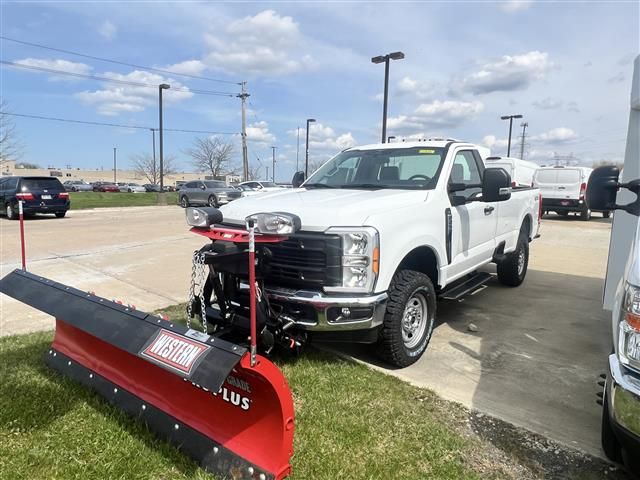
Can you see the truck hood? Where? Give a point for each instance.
(319, 209)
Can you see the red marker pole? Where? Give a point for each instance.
(252, 289)
(21, 216)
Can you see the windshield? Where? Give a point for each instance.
(398, 168)
(268, 184)
(211, 184)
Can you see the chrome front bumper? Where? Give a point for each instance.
(322, 304)
(624, 397)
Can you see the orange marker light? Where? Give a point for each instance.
(375, 263)
(633, 320)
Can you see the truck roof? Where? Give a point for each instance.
(413, 144)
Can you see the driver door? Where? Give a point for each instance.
(474, 222)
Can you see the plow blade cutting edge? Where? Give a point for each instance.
(197, 391)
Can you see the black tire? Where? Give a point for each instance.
(60, 214)
(585, 215)
(128, 190)
(10, 210)
(395, 344)
(184, 201)
(606, 214)
(212, 201)
(610, 445)
(511, 271)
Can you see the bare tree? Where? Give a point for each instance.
(10, 148)
(212, 155)
(145, 166)
(315, 164)
(254, 172)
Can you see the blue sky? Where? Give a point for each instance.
(565, 66)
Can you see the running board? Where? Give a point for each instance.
(467, 287)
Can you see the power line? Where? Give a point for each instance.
(112, 80)
(105, 124)
(133, 65)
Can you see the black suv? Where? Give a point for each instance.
(38, 194)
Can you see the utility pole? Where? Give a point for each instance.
(298, 150)
(245, 157)
(267, 177)
(114, 164)
(524, 126)
(306, 146)
(162, 86)
(153, 139)
(273, 169)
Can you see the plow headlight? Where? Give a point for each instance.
(360, 258)
(276, 223)
(203, 217)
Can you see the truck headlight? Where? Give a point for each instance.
(629, 328)
(360, 258)
(276, 223)
(203, 217)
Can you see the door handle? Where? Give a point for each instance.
(488, 210)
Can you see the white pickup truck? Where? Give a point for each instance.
(385, 230)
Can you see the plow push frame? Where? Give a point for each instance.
(221, 403)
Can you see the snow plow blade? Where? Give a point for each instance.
(197, 391)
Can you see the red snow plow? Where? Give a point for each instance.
(207, 391)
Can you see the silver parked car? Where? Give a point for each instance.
(207, 192)
(77, 186)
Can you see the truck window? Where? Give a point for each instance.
(465, 170)
(568, 176)
(546, 176)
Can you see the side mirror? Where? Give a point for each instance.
(456, 187)
(202, 187)
(298, 179)
(496, 185)
(603, 188)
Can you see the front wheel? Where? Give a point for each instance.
(513, 269)
(184, 201)
(212, 201)
(60, 214)
(585, 215)
(409, 318)
(606, 214)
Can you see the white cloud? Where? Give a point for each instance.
(325, 139)
(491, 141)
(548, 103)
(57, 64)
(108, 30)
(617, 78)
(415, 88)
(117, 98)
(437, 114)
(258, 132)
(188, 67)
(515, 5)
(264, 44)
(511, 72)
(556, 136)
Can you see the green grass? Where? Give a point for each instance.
(81, 200)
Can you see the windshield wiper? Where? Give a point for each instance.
(366, 185)
(317, 185)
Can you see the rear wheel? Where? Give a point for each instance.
(60, 214)
(409, 318)
(184, 201)
(513, 269)
(11, 211)
(585, 214)
(212, 201)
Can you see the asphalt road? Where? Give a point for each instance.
(534, 360)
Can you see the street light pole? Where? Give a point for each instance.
(306, 146)
(386, 59)
(273, 169)
(298, 150)
(114, 165)
(510, 118)
(162, 86)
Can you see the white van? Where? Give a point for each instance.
(521, 171)
(563, 190)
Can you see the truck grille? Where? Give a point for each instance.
(305, 260)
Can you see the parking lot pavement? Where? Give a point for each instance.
(141, 255)
(539, 348)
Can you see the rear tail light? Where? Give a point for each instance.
(583, 190)
(63, 195)
(24, 196)
(539, 207)
(513, 185)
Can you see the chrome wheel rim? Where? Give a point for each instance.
(414, 320)
(212, 202)
(184, 202)
(521, 261)
(9, 211)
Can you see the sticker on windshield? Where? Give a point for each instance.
(426, 151)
